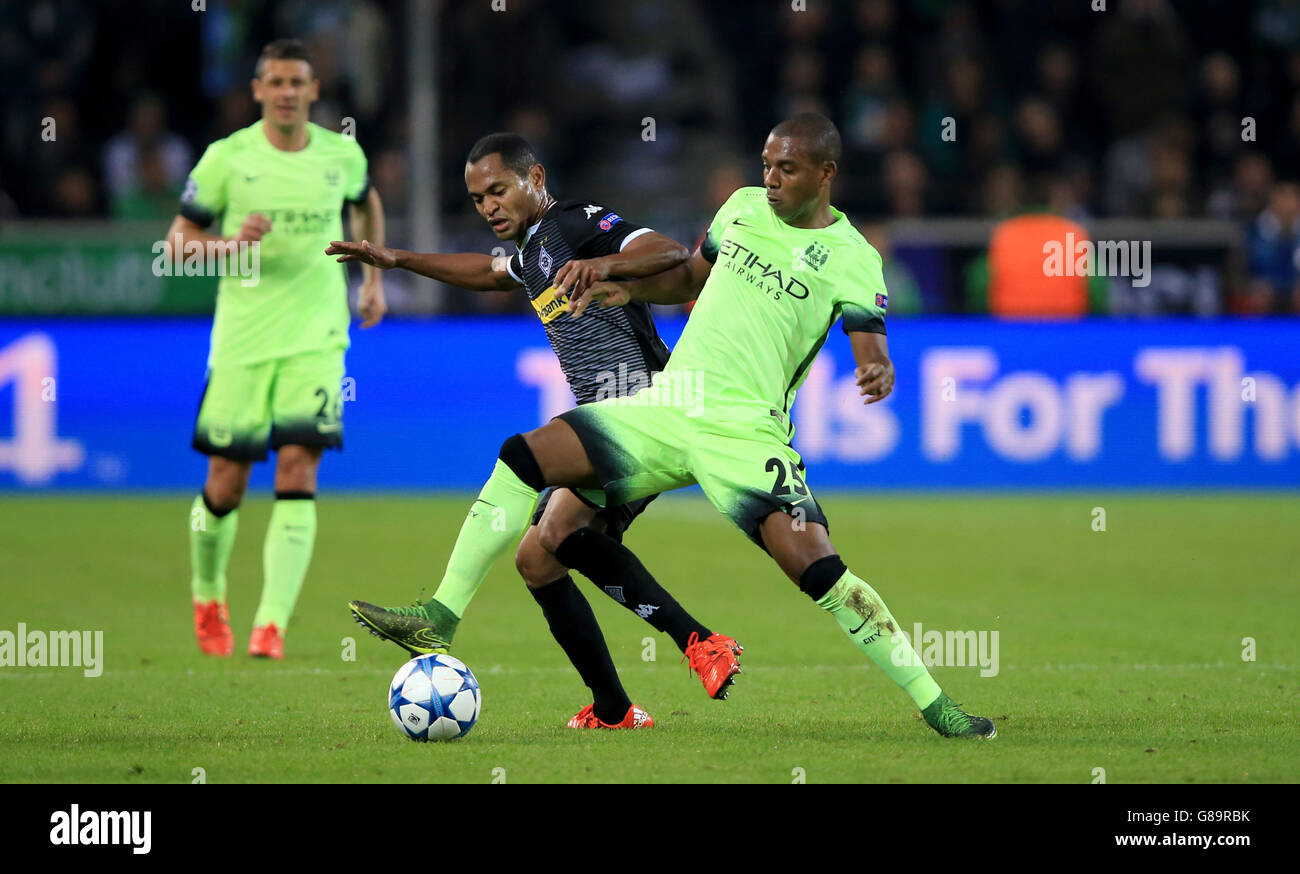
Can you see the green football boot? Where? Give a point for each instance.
(945, 717)
(415, 629)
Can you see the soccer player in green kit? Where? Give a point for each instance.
(778, 266)
(275, 366)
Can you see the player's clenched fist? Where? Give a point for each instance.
(371, 303)
(253, 228)
(366, 252)
(875, 381)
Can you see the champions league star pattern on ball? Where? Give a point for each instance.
(434, 697)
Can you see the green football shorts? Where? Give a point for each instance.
(746, 467)
(296, 401)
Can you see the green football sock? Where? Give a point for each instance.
(495, 523)
(211, 539)
(864, 617)
(285, 556)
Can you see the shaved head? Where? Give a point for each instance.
(516, 154)
(815, 134)
(800, 158)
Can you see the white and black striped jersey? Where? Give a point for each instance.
(609, 351)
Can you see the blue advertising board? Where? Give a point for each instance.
(110, 404)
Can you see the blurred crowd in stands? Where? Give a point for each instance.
(1152, 109)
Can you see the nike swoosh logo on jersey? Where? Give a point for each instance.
(248, 178)
(323, 428)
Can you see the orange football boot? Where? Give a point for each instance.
(716, 659)
(212, 628)
(635, 718)
(266, 642)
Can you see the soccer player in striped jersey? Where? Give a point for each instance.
(275, 365)
(777, 268)
(562, 247)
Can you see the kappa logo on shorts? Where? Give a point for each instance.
(644, 610)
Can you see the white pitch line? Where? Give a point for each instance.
(498, 670)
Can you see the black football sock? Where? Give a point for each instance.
(574, 627)
(612, 566)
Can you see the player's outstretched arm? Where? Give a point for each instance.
(645, 255)
(676, 285)
(367, 221)
(875, 372)
(467, 270)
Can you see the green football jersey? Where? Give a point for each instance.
(771, 297)
(300, 302)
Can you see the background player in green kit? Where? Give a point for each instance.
(778, 267)
(275, 367)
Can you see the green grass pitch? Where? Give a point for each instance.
(1119, 650)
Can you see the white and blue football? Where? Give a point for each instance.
(434, 697)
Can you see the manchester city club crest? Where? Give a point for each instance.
(544, 261)
(815, 255)
(220, 434)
